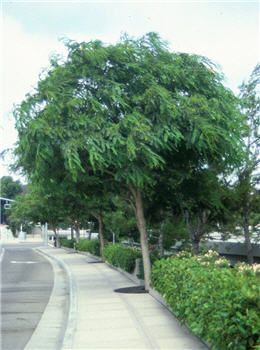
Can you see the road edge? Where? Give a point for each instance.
(71, 326)
(50, 330)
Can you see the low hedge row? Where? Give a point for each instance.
(120, 256)
(90, 246)
(68, 243)
(219, 304)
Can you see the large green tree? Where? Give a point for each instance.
(123, 111)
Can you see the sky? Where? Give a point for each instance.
(227, 32)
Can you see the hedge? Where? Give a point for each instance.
(120, 256)
(69, 243)
(219, 304)
(90, 246)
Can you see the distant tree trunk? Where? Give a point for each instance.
(160, 243)
(101, 234)
(244, 180)
(195, 246)
(57, 238)
(193, 234)
(72, 232)
(249, 247)
(141, 224)
(77, 232)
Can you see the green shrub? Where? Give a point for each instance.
(120, 256)
(90, 246)
(219, 304)
(69, 243)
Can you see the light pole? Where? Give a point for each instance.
(46, 234)
(6, 206)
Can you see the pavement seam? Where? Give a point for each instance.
(73, 304)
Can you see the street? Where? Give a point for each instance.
(26, 285)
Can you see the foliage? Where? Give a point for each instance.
(119, 219)
(38, 204)
(120, 256)
(246, 192)
(68, 243)
(26, 210)
(10, 188)
(250, 106)
(124, 113)
(212, 299)
(90, 246)
(171, 226)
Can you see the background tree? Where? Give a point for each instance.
(246, 199)
(120, 220)
(37, 205)
(201, 199)
(9, 188)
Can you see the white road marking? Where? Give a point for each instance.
(23, 262)
(2, 254)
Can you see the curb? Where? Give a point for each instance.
(73, 304)
(157, 296)
(52, 321)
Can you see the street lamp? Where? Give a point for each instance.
(6, 205)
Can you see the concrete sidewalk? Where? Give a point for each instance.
(101, 318)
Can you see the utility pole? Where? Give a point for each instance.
(46, 234)
(8, 201)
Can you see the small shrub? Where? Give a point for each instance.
(68, 243)
(120, 256)
(219, 304)
(90, 246)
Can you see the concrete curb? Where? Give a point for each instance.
(50, 330)
(73, 305)
(157, 296)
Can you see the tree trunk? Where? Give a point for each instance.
(195, 245)
(57, 238)
(101, 234)
(249, 248)
(139, 212)
(160, 243)
(194, 237)
(77, 232)
(72, 232)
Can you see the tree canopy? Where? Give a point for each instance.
(129, 112)
(10, 188)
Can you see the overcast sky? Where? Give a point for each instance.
(225, 31)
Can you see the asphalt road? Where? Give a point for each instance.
(26, 285)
